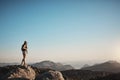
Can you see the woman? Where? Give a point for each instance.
(24, 51)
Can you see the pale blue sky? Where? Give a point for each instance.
(60, 30)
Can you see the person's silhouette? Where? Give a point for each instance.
(24, 51)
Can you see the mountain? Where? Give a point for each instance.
(86, 65)
(109, 66)
(52, 65)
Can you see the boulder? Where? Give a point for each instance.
(50, 75)
(21, 73)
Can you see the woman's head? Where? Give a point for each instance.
(25, 42)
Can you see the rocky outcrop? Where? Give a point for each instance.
(20, 73)
(17, 72)
(50, 75)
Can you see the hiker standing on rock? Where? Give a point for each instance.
(24, 51)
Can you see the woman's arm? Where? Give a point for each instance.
(25, 47)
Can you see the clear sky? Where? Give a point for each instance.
(60, 30)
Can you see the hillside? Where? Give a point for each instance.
(115, 76)
(17, 72)
(83, 74)
(52, 65)
(109, 66)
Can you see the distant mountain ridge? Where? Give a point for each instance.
(6, 64)
(109, 66)
(52, 65)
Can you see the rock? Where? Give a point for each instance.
(21, 73)
(17, 72)
(50, 75)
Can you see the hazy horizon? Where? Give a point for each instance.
(75, 64)
(60, 31)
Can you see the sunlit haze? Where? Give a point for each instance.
(59, 30)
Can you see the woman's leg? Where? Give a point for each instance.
(23, 60)
(24, 56)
